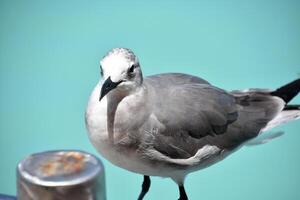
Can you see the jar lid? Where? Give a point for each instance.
(60, 168)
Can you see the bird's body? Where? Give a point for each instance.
(169, 125)
(125, 145)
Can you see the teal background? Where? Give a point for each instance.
(49, 63)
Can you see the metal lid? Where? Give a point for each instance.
(59, 168)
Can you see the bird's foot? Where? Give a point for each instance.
(182, 193)
(145, 187)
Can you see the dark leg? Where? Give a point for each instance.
(145, 187)
(182, 193)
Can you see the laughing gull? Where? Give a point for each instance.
(170, 125)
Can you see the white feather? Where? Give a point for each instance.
(282, 118)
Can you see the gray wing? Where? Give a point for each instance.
(184, 102)
(190, 115)
(172, 79)
(185, 110)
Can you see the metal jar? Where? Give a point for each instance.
(61, 175)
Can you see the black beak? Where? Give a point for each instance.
(107, 86)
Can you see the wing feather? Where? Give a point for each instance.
(189, 113)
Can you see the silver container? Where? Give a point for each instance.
(61, 175)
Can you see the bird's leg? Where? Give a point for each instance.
(182, 193)
(145, 187)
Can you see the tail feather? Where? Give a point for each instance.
(292, 107)
(288, 91)
(288, 114)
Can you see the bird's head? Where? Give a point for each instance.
(120, 70)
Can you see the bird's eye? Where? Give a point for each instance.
(131, 69)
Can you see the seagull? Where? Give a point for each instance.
(172, 124)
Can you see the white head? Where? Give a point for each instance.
(121, 70)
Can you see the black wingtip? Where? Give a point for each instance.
(292, 107)
(288, 91)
